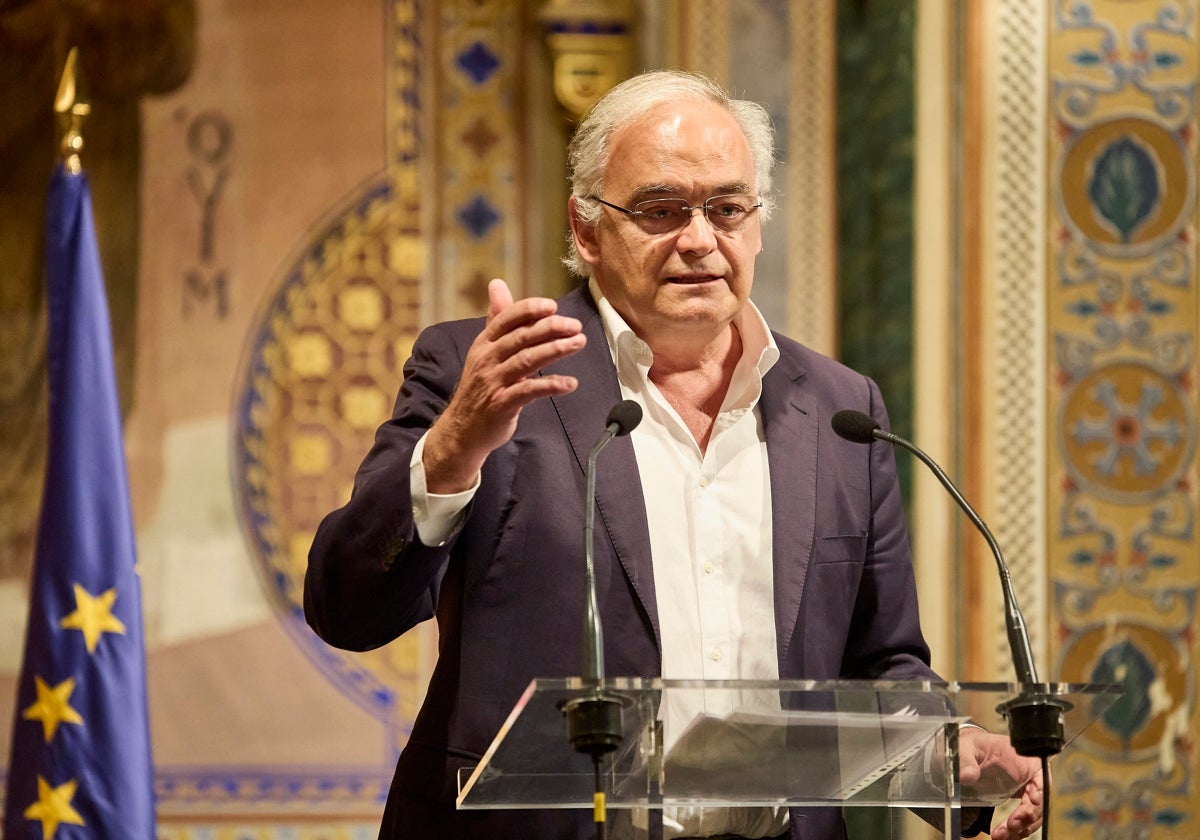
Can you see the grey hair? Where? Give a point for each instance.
(587, 154)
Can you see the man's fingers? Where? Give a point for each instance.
(520, 341)
(969, 768)
(1024, 820)
(526, 359)
(514, 314)
(498, 379)
(526, 391)
(543, 329)
(499, 297)
(1010, 830)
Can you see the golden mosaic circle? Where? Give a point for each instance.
(1126, 185)
(1151, 668)
(1126, 432)
(321, 374)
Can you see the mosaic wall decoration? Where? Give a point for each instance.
(320, 375)
(1123, 319)
(416, 245)
(475, 187)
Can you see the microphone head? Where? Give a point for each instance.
(625, 415)
(854, 425)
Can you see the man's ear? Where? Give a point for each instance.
(584, 234)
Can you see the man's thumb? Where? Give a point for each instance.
(499, 297)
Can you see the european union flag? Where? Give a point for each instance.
(80, 764)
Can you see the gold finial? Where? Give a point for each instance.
(591, 46)
(71, 109)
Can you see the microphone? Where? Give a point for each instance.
(1035, 722)
(594, 723)
(622, 419)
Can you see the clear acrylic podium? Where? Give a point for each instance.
(761, 743)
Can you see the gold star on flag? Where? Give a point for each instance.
(53, 806)
(53, 706)
(93, 616)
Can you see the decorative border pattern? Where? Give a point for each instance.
(275, 792)
(476, 194)
(811, 220)
(252, 829)
(1017, 254)
(1124, 319)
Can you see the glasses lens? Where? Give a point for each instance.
(726, 213)
(662, 215)
(730, 212)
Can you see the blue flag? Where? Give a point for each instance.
(80, 765)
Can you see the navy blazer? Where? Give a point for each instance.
(506, 588)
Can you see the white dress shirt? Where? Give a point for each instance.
(709, 515)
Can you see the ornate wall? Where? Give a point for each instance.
(473, 165)
(1078, 316)
(1123, 318)
(333, 176)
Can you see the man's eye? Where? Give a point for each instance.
(727, 209)
(658, 212)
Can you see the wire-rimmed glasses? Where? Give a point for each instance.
(656, 216)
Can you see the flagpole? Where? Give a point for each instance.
(80, 763)
(71, 108)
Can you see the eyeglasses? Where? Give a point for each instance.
(726, 213)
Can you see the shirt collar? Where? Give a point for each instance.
(758, 343)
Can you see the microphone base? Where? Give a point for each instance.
(594, 724)
(1035, 724)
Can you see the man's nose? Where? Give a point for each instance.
(699, 232)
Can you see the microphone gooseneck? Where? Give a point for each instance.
(622, 419)
(1035, 722)
(595, 721)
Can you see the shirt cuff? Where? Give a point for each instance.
(436, 516)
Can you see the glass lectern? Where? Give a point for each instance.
(758, 743)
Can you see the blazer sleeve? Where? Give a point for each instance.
(885, 639)
(369, 577)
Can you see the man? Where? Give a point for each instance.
(731, 502)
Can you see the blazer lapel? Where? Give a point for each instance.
(790, 425)
(620, 505)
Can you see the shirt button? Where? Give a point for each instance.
(708, 568)
(716, 654)
(704, 481)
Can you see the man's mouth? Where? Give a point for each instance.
(693, 279)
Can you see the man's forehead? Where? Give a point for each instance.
(679, 149)
(682, 119)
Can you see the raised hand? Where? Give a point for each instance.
(498, 380)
